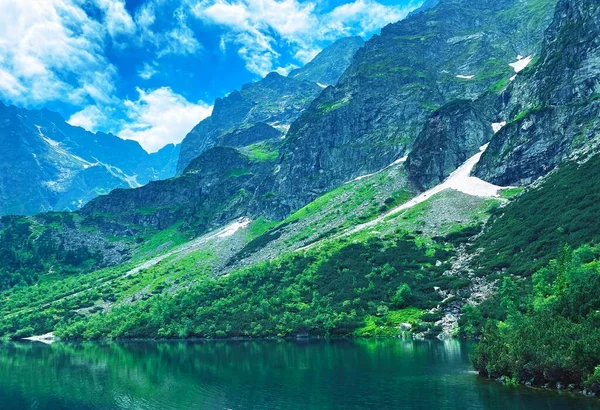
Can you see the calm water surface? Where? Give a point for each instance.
(369, 374)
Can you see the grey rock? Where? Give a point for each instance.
(328, 66)
(552, 109)
(450, 136)
(375, 113)
(49, 165)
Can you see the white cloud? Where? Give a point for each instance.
(178, 39)
(52, 50)
(304, 55)
(161, 117)
(148, 71)
(364, 16)
(286, 70)
(10, 85)
(116, 17)
(89, 118)
(258, 26)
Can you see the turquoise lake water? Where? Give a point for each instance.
(341, 374)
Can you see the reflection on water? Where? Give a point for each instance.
(257, 374)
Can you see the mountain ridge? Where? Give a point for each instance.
(410, 244)
(61, 167)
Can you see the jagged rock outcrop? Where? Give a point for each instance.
(47, 164)
(215, 188)
(427, 4)
(553, 109)
(449, 137)
(328, 66)
(247, 136)
(456, 50)
(275, 100)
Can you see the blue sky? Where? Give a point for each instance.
(150, 70)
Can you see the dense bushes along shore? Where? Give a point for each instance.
(550, 334)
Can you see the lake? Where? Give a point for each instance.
(339, 374)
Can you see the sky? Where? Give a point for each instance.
(150, 70)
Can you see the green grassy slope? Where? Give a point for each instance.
(562, 210)
(348, 281)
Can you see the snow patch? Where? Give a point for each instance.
(56, 146)
(322, 85)
(513, 78)
(233, 228)
(193, 245)
(521, 63)
(50, 142)
(465, 77)
(284, 128)
(460, 180)
(396, 162)
(118, 173)
(86, 164)
(47, 338)
(132, 181)
(399, 160)
(497, 126)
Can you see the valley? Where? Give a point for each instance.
(437, 181)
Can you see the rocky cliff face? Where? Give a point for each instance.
(247, 136)
(215, 188)
(47, 164)
(453, 56)
(329, 65)
(456, 50)
(553, 109)
(449, 137)
(275, 100)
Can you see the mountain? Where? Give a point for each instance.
(216, 184)
(47, 164)
(445, 186)
(553, 109)
(273, 102)
(328, 66)
(428, 4)
(397, 80)
(388, 110)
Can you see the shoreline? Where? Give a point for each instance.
(551, 387)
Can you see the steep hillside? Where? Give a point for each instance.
(329, 65)
(456, 50)
(272, 103)
(561, 210)
(47, 164)
(358, 261)
(553, 109)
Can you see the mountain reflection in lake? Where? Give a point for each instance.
(338, 374)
